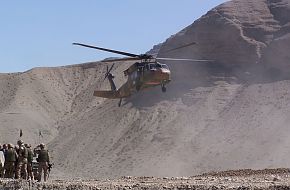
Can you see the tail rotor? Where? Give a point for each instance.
(110, 77)
(108, 73)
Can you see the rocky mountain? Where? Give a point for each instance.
(230, 113)
(245, 36)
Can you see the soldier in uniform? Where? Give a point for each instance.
(1, 162)
(29, 161)
(43, 159)
(22, 160)
(10, 159)
(4, 148)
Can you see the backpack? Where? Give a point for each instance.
(29, 155)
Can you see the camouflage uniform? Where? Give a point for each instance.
(43, 159)
(29, 162)
(1, 164)
(22, 161)
(10, 159)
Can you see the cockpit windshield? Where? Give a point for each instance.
(157, 65)
(164, 66)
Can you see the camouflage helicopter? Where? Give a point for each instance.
(145, 73)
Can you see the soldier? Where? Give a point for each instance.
(29, 161)
(4, 148)
(2, 160)
(10, 159)
(43, 159)
(22, 161)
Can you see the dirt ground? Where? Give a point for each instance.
(235, 179)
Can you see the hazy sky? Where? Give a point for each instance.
(40, 33)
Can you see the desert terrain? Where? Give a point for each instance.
(241, 179)
(229, 114)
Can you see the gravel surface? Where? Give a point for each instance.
(239, 179)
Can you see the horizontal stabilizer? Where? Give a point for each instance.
(107, 94)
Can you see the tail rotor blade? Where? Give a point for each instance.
(108, 71)
(111, 68)
(106, 75)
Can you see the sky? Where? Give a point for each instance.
(37, 33)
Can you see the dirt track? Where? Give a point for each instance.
(240, 179)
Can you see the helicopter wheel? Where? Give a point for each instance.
(163, 88)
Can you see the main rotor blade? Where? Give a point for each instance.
(180, 47)
(108, 50)
(173, 59)
(120, 59)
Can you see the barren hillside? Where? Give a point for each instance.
(232, 113)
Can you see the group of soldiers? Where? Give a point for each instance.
(19, 158)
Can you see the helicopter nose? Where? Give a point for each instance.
(165, 74)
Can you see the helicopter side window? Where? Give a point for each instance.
(152, 67)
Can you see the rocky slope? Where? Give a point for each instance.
(228, 114)
(240, 35)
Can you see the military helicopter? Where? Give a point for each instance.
(146, 72)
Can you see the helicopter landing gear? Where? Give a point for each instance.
(163, 88)
(120, 102)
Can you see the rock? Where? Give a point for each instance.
(277, 179)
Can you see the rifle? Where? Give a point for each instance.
(49, 169)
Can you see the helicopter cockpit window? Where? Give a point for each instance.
(154, 66)
(164, 66)
(158, 65)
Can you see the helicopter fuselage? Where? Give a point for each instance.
(145, 75)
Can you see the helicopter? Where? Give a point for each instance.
(146, 72)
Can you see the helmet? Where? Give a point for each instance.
(27, 145)
(20, 142)
(42, 145)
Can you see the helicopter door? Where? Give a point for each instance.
(134, 76)
(147, 67)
